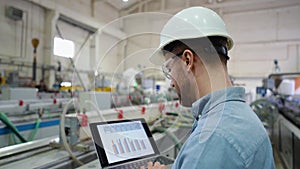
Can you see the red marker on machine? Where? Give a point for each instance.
(21, 102)
(143, 110)
(120, 114)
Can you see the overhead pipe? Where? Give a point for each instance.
(26, 34)
(45, 67)
(23, 50)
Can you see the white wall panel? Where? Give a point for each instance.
(175, 4)
(105, 13)
(291, 64)
(34, 21)
(139, 57)
(15, 36)
(259, 52)
(81, 6)
(11, 31)
(260, 37)
(298, 58)
(108, 58)
(262, 67)
(143, 32)
(252, 26)
(289, 23)
(78, 36)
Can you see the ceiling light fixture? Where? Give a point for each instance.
(125, 0)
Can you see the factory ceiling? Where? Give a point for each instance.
(172, 6)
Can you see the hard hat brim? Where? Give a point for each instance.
(157, 58)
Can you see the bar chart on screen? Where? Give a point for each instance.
(125, 141)
(127, 145)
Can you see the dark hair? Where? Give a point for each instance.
(204, 46)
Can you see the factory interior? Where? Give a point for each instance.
(65, 64)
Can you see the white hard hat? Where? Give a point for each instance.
(194, 22)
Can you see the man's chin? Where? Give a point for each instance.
(184, 103)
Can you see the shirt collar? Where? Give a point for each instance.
(208, 102)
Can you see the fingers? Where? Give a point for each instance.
(142, 167)
(156, 165)
(150, 164)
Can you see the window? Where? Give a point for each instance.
(63, 47)
(66, 84)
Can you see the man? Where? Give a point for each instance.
(42, 86)
(226, 133)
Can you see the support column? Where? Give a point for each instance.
(51, 18)
(94, 54)
(298, 57)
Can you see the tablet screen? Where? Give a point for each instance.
(124, 141)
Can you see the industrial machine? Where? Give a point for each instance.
(29, 119)
(280, 114)
(50, 130)
(73, 146)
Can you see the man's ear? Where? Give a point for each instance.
(189, 58)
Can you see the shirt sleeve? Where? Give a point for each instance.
(213, 152)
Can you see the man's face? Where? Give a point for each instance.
(175, 68)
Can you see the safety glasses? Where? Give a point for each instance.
(166, 65)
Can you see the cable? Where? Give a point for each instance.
(12, 139)
(59, 32)
(152, 127)
(186, 119)
(63, 134)
(9, 124)
(37, 125)
(173, 113)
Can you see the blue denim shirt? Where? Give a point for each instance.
(227, 134)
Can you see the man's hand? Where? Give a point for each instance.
(156, 165)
